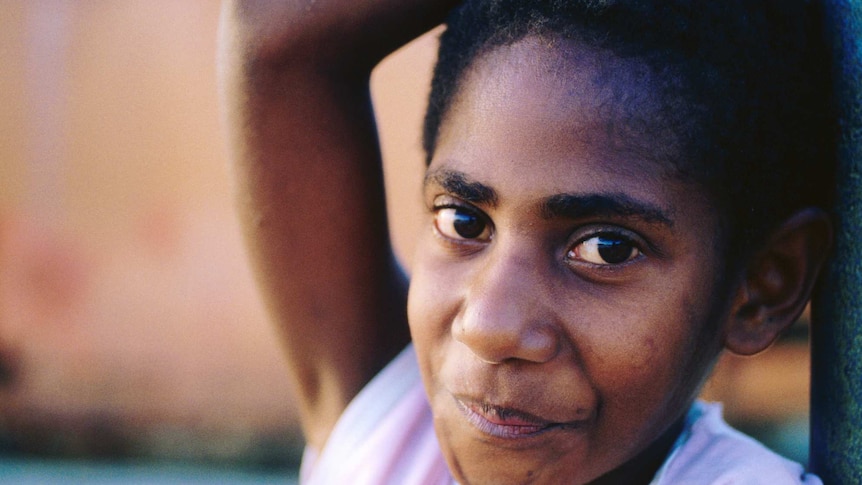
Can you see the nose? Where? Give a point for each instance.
(506, 313)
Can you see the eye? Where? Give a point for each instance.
(462, 224)
(605, 248)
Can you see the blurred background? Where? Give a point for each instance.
(132, 341)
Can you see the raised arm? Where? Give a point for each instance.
(294, 79)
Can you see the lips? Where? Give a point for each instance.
(507, 423)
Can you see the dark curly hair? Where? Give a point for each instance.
(747, 88)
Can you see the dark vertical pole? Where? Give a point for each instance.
(836, 390)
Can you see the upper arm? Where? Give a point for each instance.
(310, 198)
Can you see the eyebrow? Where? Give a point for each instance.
(459, 185)
(576, 206)
(558, 206)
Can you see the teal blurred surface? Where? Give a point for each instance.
(49, 472)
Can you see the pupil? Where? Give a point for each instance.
(468, 225)
(614, 251)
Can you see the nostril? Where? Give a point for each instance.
(506, 313)
(540, 344)
(497, 337)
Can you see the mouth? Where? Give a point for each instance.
(507, 423)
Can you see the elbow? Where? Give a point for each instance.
(263, 36)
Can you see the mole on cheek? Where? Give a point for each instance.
(647, 354)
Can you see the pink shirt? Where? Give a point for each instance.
(386, 436)
(709, 451)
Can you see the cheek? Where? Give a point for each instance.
(634, 353)
(432, 300)
(420, 313)
(654, 350)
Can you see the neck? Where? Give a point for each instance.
(642, 468)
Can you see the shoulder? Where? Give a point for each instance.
(711, 452)
(385, 436)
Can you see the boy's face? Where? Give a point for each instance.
(563, 295)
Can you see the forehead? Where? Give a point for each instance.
(546, 111)
(610, 103)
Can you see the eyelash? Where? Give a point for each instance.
(459, 213)
(589, 242)
(609, 252)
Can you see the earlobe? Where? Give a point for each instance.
(778, 282)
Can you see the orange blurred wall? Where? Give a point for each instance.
(126, 306)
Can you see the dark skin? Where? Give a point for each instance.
(543, 355)
(295, 81)
(597, 329)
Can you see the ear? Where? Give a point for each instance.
(778, 282)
